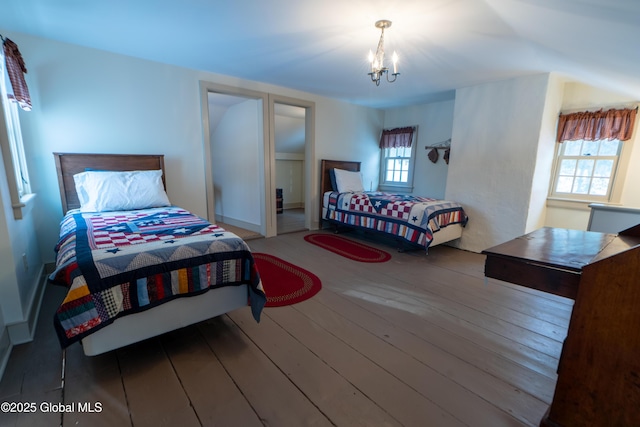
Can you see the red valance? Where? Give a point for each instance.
(16, 70)
(597, 125)
(398, 137)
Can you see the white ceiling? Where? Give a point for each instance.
(321, 46)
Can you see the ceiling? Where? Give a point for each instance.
(321, 46)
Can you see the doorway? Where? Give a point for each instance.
(289, 145)
(296, 161)
(239, 133)
(235, 151)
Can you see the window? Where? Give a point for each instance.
(396, 159)
(590, 154)
(16, 146)
(396, 165)
(11, 138)
(586, 170)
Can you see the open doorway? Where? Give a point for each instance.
(237, 163)
(236, 152)
(293, 167)
(289, 133)
(239, 134)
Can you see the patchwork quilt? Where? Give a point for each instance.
(117, 263)
(412, 218)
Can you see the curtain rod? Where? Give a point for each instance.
(629, 106)
(442, 144)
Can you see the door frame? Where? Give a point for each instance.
(205, 89)
(268, 212)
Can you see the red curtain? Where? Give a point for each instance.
(398, 137)
(16, 70)
(597, 125)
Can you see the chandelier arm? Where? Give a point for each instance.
(395, 76)
(375, 77)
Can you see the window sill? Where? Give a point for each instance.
(20, 210)
(400, 188)
(583, 205)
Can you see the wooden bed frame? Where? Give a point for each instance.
(446, 234)
(169, 316)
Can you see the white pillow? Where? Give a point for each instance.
(101, 191)
(348, 181)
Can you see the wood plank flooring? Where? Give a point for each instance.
(290, 220)
(421, 340)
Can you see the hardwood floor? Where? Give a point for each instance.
(421, 340)
(242, 232)
(290, 220)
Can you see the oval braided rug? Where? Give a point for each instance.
(348, 248)
(283, 282)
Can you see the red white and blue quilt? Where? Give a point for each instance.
(408, 217)
(117, 263)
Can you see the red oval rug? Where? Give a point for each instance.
(283, 282)
(348, 248)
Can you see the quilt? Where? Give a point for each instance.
(409, 217)
(117, 263)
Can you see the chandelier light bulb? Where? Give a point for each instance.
(395, 62)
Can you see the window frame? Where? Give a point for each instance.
(615, 185)
(12, 147)
(385, 185)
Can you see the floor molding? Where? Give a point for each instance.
(22, 332)
(5, 350)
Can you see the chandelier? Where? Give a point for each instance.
(377, 60)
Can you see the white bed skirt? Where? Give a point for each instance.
(172, 315)
(445, 234)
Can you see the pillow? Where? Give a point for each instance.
(100, 191)
(348, 182)
(332, 178)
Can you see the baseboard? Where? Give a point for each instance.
(22, 332)
(293, 205)
(5, 350)
(237, 223)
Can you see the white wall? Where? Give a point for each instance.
(543, 166)
(290, 178)
(238, 165)
(435, 123)
(94, 101)
(5, 345)
(357, 140)
(495, 138)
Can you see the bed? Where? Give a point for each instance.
(136, 266)
(414, 222)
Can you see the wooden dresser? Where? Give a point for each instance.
(599, 369)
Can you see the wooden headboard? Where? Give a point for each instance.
(69, 164)
(327, 165)
(325, 177)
